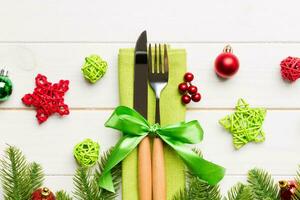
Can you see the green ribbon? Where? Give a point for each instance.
(135, 127)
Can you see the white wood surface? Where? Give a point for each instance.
(53, 37)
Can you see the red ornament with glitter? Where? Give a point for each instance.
(287, 189)
(47, 98)
(290, 68)
(226, 64)
(42, 194)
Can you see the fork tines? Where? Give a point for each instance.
(161, 63)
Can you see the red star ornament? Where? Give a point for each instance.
(47, 98)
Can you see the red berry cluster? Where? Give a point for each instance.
(189, 91)
(48, 98)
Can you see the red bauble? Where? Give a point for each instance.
(186, 99)
(193, 89)
(42, 194)
(188, 77)
(287, 189)
(183, 87)
(226, 64)
(196, 97)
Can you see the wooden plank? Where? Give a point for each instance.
(258, 80)
(51, 144)
(170, 21)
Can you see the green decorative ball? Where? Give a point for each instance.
(87, 153)
(94, 68)
(6, 88)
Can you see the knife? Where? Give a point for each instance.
(140, 104)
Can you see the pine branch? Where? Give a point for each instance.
(239, 192)
(262, 185)
(197, 189)
(62, 195)
(84, 189)
(297, 192)
(17, 175)
(116, 177)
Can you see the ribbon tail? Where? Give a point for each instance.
(205, 170)
(122, 149)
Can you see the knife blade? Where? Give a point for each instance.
(140, 104)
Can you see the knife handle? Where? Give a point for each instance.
(158, 173)
(144, 170)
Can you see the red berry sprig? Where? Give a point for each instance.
(189, 92)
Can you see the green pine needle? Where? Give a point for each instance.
(297, 193)
(262, 185)
(239, 192)
(86, 183)
(19, 178)
(62, 195)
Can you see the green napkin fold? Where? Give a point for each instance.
(172, 111)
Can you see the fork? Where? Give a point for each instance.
(158, 78)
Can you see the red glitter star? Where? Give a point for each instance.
(48, 98)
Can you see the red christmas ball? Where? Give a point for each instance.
(186, 99)
(183, 87)
(188, 77)
(42, 194)
(193, 89)
(226, 64)
(196, 97)
(287, 189)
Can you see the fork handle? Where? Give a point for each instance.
(158, 165)
(144, 170)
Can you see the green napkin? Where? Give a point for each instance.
(172, 111)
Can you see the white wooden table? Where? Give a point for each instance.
(53, 37)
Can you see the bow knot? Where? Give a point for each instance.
(153, 129)
(135, 127)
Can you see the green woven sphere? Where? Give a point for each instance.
(94, 68)
(87, 153)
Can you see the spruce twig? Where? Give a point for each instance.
(62, 195)
(239, 192)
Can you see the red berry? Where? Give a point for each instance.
(183, 87)
(196, 97)
(188, 77)
(193, 89)
(186, 99)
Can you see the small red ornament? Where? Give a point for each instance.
(188, 77)
(186, 99)
(183, 87)
(196, 97)
(226, 64)
(290, 68)
(193, 89)
(48, 98)
(287, 189)
(43, 194)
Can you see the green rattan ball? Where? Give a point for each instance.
(94, 68)
(87, 153)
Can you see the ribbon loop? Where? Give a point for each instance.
(135, 127)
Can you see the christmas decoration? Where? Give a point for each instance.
(287, 189)
(86, 153)
(6, 86)
(135, 127)
(290, 68)
(43, 194)
(245, 124)
(226, 64)
(189, 92)
(94, 68)
(48, 98)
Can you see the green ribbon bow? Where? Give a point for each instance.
(135, 127)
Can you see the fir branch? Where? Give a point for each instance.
(296, 196)
(197, 189)
(239, 192)
(17, 175)
(116, 177)
(262, 185)
(83, 185)
(62, 195)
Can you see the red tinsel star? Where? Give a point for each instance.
(290, 68)
(47, 98)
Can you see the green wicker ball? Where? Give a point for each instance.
(87, 153)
